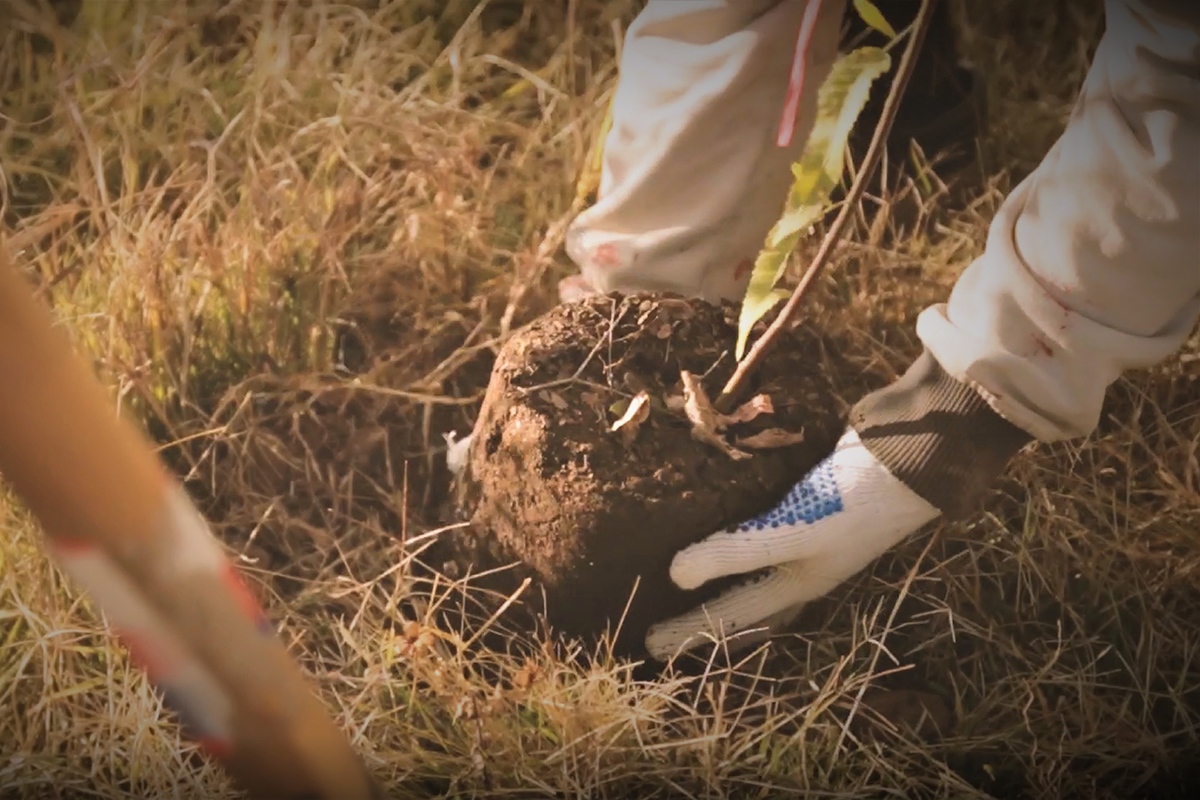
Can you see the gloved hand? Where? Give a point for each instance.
(923, 447)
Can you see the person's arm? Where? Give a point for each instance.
(1092, 267)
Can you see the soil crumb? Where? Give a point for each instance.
(591, 513)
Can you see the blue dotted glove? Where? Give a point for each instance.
(842, 516)
(811, 500)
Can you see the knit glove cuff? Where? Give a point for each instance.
(938, 436)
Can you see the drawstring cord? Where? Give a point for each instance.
(791, 107)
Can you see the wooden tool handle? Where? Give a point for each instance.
(126, 531)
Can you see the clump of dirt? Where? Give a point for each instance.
(590, 512)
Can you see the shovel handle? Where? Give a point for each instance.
(124, 529)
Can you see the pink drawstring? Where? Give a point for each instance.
(787, 125)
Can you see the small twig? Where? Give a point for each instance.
(888, 628)
(715, 364)
(415, 397)
(541, 261)
(761, 347)
(572, 381)
(512, 598)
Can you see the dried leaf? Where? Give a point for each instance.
(696, 405)
(634, 416)
(771, 437)
(635, 412)
(703, 416)
(870, 14)
(759, 404)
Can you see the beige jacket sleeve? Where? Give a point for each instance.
(691, 178)
(1091, 267)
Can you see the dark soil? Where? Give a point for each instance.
(588, 514)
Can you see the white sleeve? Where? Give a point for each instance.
(1092, 265)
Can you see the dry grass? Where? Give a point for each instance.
(291, 237)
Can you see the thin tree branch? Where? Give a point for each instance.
(886, 117)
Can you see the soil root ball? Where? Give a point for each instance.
(591, 512)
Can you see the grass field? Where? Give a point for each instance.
(291, 236)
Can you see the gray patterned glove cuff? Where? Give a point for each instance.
(938, 436)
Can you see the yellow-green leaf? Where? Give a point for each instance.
(589, 176)
(869, 13)
(839, 102)
(793, 221)
(761, 294)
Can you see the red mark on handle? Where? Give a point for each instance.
(245, 599)
(218, 748)
(67, 546)
(146, 653)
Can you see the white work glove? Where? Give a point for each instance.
(936, 433)
(846, 512)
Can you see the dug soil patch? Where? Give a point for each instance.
(592, 513)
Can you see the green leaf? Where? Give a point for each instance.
(839, 102)
(589, 177)
(869, 14)
(761, 294)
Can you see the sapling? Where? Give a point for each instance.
(840, 100)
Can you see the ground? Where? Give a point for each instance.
(291, 239)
